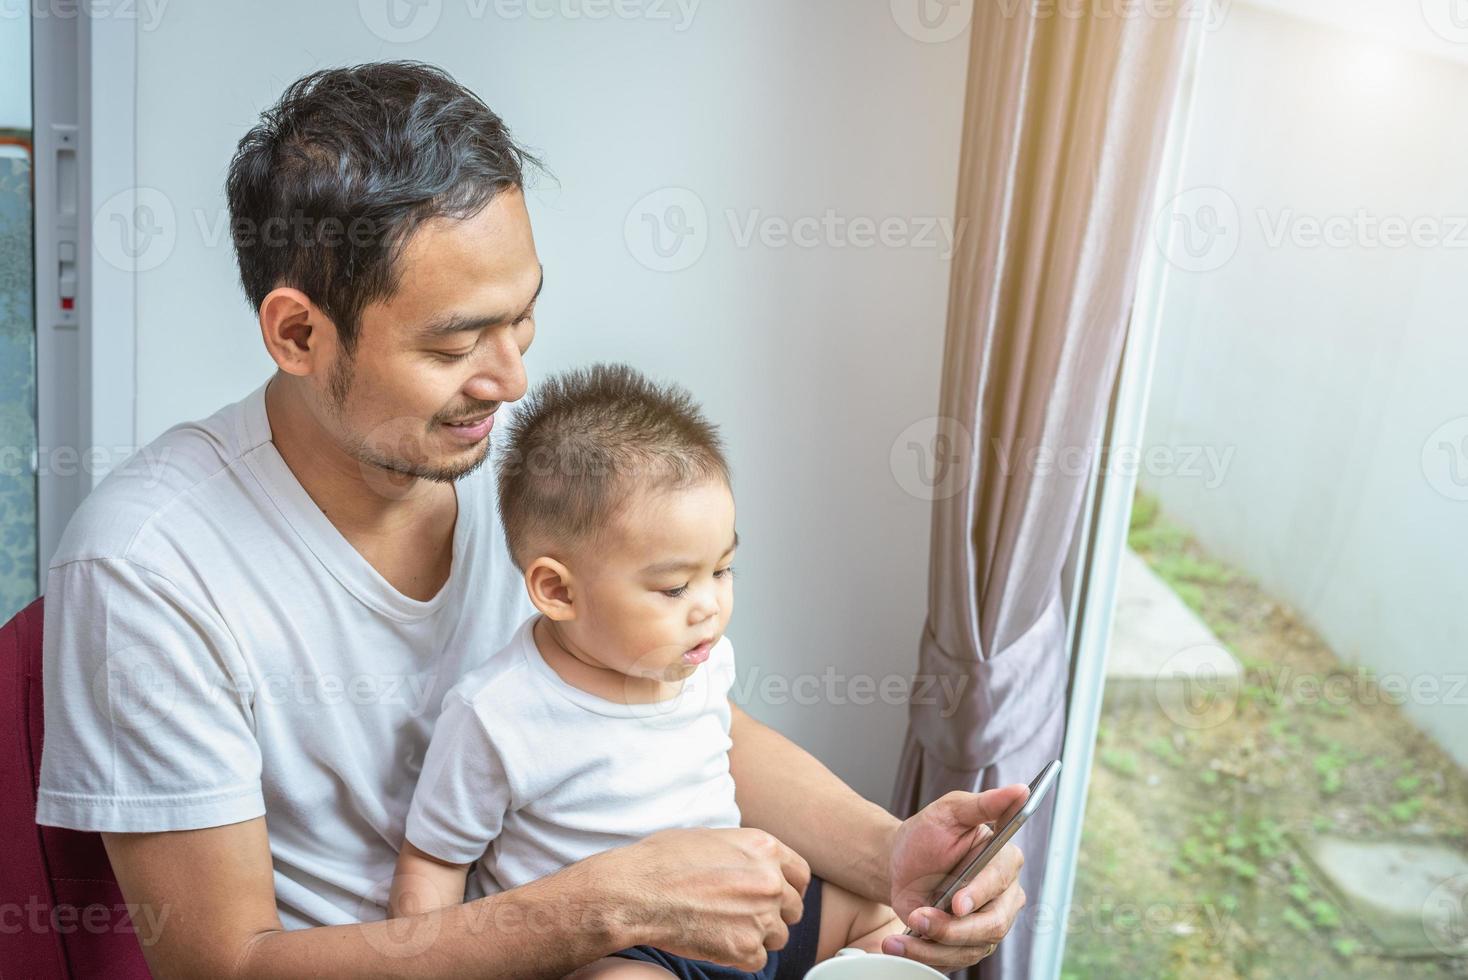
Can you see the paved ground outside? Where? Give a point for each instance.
(1258, 808)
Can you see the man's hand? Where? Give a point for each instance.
(924, 850)
(728, 896)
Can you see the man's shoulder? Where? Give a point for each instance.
(187, 466)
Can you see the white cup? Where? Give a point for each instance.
(856, 964)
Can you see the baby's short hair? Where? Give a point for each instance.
(585, 442)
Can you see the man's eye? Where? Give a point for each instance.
(450, 356)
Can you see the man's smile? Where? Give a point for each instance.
(471, 430)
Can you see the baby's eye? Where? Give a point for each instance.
(675, 593)
(725, 572)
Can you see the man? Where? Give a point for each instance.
(246, 649)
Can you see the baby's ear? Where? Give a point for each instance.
(551, 589)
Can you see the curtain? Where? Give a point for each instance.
(1064, 124)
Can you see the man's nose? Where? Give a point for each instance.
(499, 374)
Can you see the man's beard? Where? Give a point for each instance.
(423, 471)
(339, 387)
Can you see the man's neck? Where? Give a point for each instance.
(355, 496)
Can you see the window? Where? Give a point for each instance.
(1278, 786)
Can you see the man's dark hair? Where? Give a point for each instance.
(327, 189)
(584, 443)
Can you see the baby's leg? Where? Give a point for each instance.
(621, 969)
(847, 920)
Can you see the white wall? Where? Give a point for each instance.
(813, 359)
(1327, 370)
(1432, 27)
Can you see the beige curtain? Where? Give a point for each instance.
(1065, 119)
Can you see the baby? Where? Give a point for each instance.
(607, 717)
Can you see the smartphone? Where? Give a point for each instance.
(1005, 827)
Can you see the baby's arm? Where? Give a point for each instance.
(848, 920)
(422, 883)
(457, 811)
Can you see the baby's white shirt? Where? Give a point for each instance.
(526, 773)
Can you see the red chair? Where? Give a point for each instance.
(61, 912)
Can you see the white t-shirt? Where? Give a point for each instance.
(215, 651)
(532, 774)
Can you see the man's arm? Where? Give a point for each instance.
(725, 895)
(785, 790)
(212, 894)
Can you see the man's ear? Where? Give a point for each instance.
(298, 336)
(551, 589)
